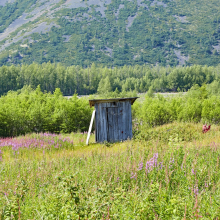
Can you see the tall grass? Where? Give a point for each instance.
(145, 178)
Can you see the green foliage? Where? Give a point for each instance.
(30, 110)
(11, 11)
(34, 111)
(214, 88)
(155, 111)
(197, 105)
(211, 110)
(150, 92)
(173, 134)
(105, 80)
(130, 180)
(117, 33)
(104, 86)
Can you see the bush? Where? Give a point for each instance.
(196, 106)
(211, 110)
(156, 111)
(34, 111)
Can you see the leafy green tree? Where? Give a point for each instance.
(104, 86)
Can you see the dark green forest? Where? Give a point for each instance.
(121, 33)
(98, 79)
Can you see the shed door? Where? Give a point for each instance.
(113, 118)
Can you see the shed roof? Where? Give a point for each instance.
(93, 101)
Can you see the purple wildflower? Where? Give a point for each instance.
(140, 166)
(193, 171)
(44, 141)
(196, 190)
(171, 162)
(1, 155)
(133, 176)
(151, 163)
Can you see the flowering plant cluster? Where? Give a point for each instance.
(41, 141)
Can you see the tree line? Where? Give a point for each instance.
(84, 81)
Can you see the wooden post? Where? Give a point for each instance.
(90, 127)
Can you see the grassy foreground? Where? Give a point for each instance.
(169, 172)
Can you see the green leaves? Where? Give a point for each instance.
(103, 80)
(34, 111)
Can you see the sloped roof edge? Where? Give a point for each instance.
(93, 101)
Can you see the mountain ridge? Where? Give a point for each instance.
(110, 32)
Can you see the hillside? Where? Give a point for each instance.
(110, 32)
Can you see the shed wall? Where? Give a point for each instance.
(113, 121)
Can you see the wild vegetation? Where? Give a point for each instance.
(174, 174)
(103, 80)
(11, 11)
(33, 111)
(30, 110)
(113, 33)
(170, 170)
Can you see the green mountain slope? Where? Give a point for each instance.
(110, 32)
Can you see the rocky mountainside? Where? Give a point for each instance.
(110, 32)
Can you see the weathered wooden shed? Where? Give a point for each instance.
(113, 120)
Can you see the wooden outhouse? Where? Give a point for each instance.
(113, 120)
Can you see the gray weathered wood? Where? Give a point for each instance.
(113, 121)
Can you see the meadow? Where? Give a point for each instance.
(166, 172)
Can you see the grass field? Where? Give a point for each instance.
(168, 172)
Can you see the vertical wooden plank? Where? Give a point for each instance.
(111, 124)
(90, 128)
(120, 121)
(127, 120)
(124, 119)
(108, 124)
(116, 131)
(108, 121)
(96, 122)
(100, 122)
(103, 129)
(105, 122)
(115, 125)
(129, 135)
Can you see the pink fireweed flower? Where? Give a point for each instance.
(193, 171)
(152, 163)
(206, 184)
(196, 190)
(133, 176)
(1, 155)
(43, 141)
(171, 162)
(140, 166)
